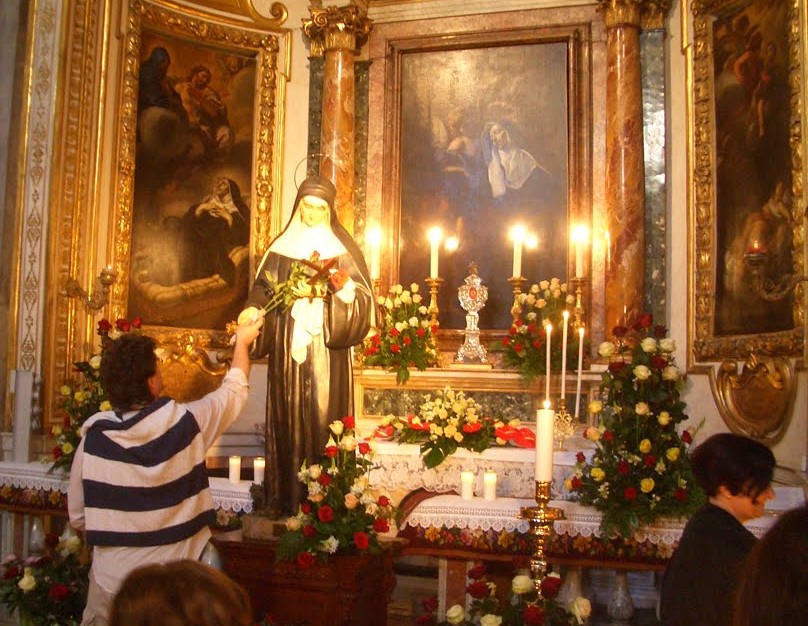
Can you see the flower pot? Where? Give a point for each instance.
(347, 590)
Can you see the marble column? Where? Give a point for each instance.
(337, 33)
(625, 177)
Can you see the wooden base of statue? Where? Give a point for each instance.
(345, 591)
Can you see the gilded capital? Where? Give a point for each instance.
(648, 14)
(337, 28)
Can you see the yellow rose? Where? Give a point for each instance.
(597, 474)
(664, 418)
(105, 406)
(645, 446)
(65, 390)
(27, 582)
(351, 501)
(293, 523)
(56, 431)
(456, 614)
(672, 453)
(647, 485)
(67, 447)
(595, 407)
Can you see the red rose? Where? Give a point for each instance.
(104, 326)
(395, 348)
(406, 341)
(324, 479)
(580, 457)
(623, 468)
(506, 341)
(575, 483)
(477, 572)
(518, 347)
(649, 460)
(471, 428)
(375, 339)
(123, 325)
(687, 437)
(384, 501)
(617, 367)
(56, 453)
(361, 540)
(305, 508)
(66, 422)
(512, 331)
(658, 362)
(434, 329)
(349, 421)
(58, 592)
(309, 531)
(660, 331)
(380, 525)
(305, 560)
(533, 615)
(420, 332)
(630, 494)
(531, 328)
(537, 344)
(137, 321)
(430, 604)
(371, 351)
(680, 494)
(478, 589)
(619, 331)
(394, 332)
(325, 514)
(645, 321)
(11, 572)
(550, 586)
(364, 447)
(51, 539)
(607, 435)
(331, 451)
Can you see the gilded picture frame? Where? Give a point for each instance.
(179, 301)
(748, 177)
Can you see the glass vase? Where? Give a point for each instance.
(620, 607)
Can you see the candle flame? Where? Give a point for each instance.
(546, 404)
(580, 234)
(518, 232)
(374, 235)
(434, 235)
(451, 244)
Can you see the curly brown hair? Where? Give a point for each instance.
(126, 366)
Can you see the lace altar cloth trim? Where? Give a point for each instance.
(34, 475)
(450, 511)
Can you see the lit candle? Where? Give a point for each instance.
(234, 465)
(548, 330)
(580, 238)
(544, 443)
(452, 244)
(580, 369)
(259, 465)
(566, 316)
(375, 243)
(518, 233)
(490, 485)
(467, 484)
(435, 235)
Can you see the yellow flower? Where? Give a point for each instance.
(67, 447)
(672, 454)
(647, 485)
(79, 396)
(56, 431)
(65, 390)
(645, 446)
(597, 474)
(27, 582)
(105, 406)
(595, 407)
(664, 418)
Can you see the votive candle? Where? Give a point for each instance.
(580, 371)
(490, 485)
(259, 467)
(466, 484)
(566, 316)
(548, 330)
(545, 419)
(234, 467)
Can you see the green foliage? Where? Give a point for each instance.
(302, 283)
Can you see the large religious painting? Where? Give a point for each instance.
(202, 107)
(748, 183)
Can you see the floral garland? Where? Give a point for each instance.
(529, 604)
(340, 514)
(406, 337)
(525, 346)
(85, 397)
(640, 470)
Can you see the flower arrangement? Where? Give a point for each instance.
(302, 283)
(640, 470)
(340, 514)
(447, 422)
(406, 337)
(50, 589)
(528, 606)
(86, 396)
(525, 346)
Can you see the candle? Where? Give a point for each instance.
(580, 237)
(544, 443)
(518, 235)
(548, 329)
(374, 243)
(259, 465)
(234, 467)
(466, 484)
(580, 369)
(566, 316)
(434, 235)
(490, 485)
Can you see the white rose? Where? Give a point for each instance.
(315, 471)
(522, 583)
(490, 620)
(544, 285)
(348, 443)
(95, 362)
(73, 544)
(649, 345)
(642, 372)
(581, 608)
(534, 289)
(641, 408)
(337, 427)
(530, 300)
(455, 615)
(416, 298)
(413, 321)
(380, 300)
(406, 298)
(423, 310)
(28, 582)
(606, 349)
(414, 287)
(667, 345)
(671, 372)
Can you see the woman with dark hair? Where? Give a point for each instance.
(773, 589)
(309, 380)
(700, 582)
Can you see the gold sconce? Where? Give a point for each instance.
(766, 287)
(100, 297)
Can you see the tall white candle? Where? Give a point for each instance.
(234, 469)
(490, 485)
(580, 239)
(548, 329)
(374, 238)
(580, 370)
(259, 467)
(434, 235)
(545, 419)
(467, 484)
(518, 233)
(566, 316)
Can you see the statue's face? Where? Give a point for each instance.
(314, 211)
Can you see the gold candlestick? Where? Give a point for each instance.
(578, 313)
(516, 283)
(541, 519)
(434, 284)
(562, 424)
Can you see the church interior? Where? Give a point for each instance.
(636, 163)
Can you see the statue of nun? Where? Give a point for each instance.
(309, 375)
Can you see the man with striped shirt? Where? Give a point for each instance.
(138, 484)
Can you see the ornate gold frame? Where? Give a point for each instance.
(203, 29)
(706, 346)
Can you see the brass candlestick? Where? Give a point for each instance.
(541, 519)
(578, 314)
(766, 287)
(434, 284)
(562, 424)
(516, 283)
(100, 297)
